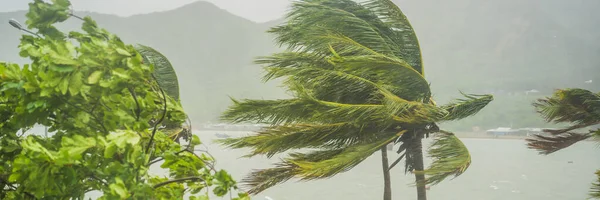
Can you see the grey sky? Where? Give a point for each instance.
(255, 10)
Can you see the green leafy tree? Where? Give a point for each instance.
(577, 106)
(114, 112)
(356, 75)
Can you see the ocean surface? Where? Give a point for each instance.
(501, 169)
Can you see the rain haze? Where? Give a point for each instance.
(480, 90)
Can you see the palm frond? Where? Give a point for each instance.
(392, 107)
(359, 77)
(469, 106)
(569, 128)
(314, 165)
(595, 190)
(329, 85)
(347, 159)
(309, 20)
(305, 109)
(401, 109)
(260, 180)
(163, 70)
(450, 158)
(550, 144)
(272, 112)
(404, 33)
(577, 106)
(395, 74)
(595, 134)
(278, 139)
(408, 112)
(290, 59)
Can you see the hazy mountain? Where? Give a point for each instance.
(511, 45)
(477, 46)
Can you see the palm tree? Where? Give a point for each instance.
(356, 77)
(577, 106)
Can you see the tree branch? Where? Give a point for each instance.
(78, 17)
(98, 179)
(90, 113)
(138, 109)
(6, 183)
(96, 104)
(161, 118)
(177, 180)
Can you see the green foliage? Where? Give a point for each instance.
(104, 107)
(450, 158)
(463, 108)
(577, 106)
(595, 192)
(356, 77)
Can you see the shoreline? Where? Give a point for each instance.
(511, 137)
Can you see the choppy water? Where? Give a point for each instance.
(501, 170)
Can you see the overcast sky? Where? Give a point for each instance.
(255, 10)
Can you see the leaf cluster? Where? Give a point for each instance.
(112, 110)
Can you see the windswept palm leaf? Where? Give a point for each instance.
(550, 144)
(399, 78)
(163, 70)
(577, 106)
(279, 139)
(404, 33)
(595, 190)
(315, 164)
(313, 25)
(275, 112)
(306, 108)
(366, 73)
(450, 158)
(470, 106)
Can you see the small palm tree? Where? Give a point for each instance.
(357, 80)
(579, 107)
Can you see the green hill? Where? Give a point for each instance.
(500, 47)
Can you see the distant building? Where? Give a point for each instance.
(233, 127)
(504, 131)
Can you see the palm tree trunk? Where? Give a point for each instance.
(419, 166)
(387, 188)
